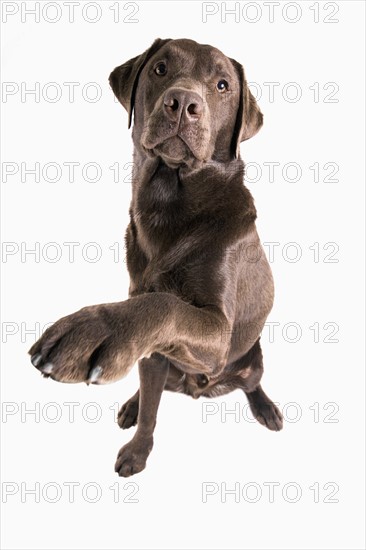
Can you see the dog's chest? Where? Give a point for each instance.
(160, 213)
(157, 230)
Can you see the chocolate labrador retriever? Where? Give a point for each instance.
(201, 287)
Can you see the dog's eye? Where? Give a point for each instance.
(160, 69)
(222, 85)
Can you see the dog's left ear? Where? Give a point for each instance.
(249, 119)
(124, 79)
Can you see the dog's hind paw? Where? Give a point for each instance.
(264, 410)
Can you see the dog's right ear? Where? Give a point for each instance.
(124, 79)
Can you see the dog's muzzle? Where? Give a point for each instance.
(177, 130)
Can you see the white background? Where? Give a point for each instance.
(227, 451)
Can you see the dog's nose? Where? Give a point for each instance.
(178, 103)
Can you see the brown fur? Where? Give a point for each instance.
(200, 285)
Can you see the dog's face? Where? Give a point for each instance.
(191, 103)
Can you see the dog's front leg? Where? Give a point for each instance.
(99, 344)
(153, 374)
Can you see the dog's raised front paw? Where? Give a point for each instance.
(85, 346)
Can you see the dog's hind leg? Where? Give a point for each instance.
(263, 409)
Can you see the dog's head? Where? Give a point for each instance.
(191, 103)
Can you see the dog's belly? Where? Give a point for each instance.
(197, 385)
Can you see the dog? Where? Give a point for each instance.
(201, 287)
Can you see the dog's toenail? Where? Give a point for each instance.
(94, 374)
(36, 359)
(47, 368)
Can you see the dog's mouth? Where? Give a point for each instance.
(175, 152)
(178, 144)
